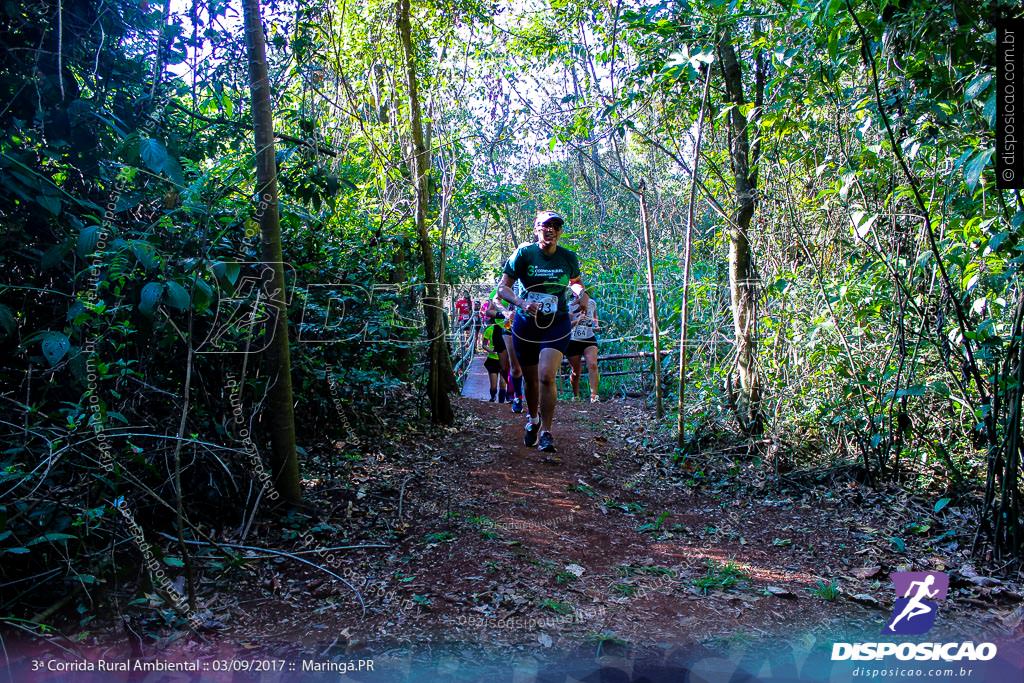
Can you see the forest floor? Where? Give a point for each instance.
(608, 541)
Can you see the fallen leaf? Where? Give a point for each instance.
(866, 572)
(865, 599)
(970, 573)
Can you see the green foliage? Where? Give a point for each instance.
(655, 525)
(644, 569)
(439, 537)
(131, 232)
(556, 606)
(625, 590)
(826, 590)
(564, 578)
(720, 576)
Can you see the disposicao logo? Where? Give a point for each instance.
(913, 613)
(916, 602)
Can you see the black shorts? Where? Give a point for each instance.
(493, 366)
(530, 337)
(578, 346)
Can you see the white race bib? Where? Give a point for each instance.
(582, 331)
(548, 302)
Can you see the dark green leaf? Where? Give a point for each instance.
(87, 239)
(974, 167)
(7, 322)
(49, 537)
(146, 253)
(177, 296)
(153, 154)
(55, 346)
(976, 87)
(150, 297)
(50, 203)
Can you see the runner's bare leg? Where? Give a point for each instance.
(590, 354)
(550, 360)
(532, 388)
(574, 374)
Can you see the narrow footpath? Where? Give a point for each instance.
(608, 540)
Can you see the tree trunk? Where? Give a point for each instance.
(652, 306)
(280, 418)
(441, 378)
(684, 333)
(742, 277)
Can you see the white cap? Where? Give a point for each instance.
(545, 216)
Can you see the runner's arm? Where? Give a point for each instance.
(506, 294)
(580, 292)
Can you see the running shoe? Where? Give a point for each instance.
(530, 435)
(595, 399)
(547, 443)
(517, 406)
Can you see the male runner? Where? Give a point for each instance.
(583, 344)
(541, 326)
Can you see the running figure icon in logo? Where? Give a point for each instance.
(915, 608)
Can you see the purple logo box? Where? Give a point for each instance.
(916, 605)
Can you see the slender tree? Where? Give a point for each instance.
(742, 275)
(441, 379)
(684, 314)
(279, 411)
(652, 304)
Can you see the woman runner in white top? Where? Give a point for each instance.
(583, 344)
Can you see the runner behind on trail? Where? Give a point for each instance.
(510, 368)
(477, 325)
(583, 345)
(463, 311)
(541, 327)
(494, 345)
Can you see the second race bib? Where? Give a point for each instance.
(582, 331)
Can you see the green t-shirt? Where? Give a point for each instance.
(545, 278)
(489, 333)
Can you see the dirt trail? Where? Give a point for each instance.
(528, 523)
(503, 545)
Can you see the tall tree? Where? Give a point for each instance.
(441, 379)
(279, 412)
(742, 274)
(652, 303)
(684, 313)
